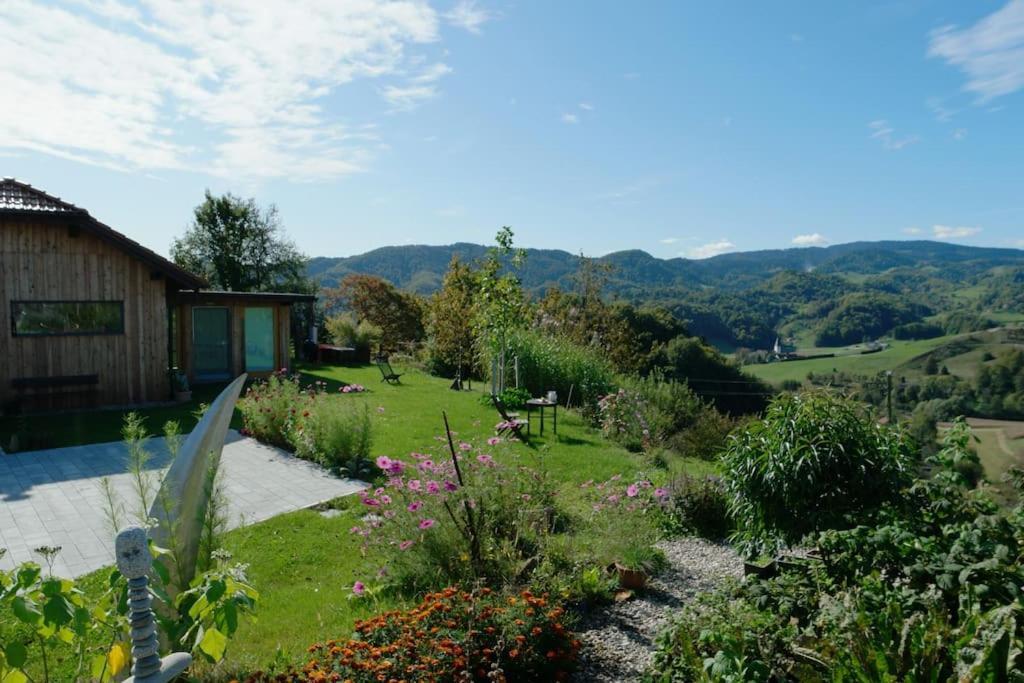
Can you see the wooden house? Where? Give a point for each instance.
(94, 318)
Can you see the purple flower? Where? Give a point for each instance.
(372, 502)
(614, 498)
(485, 459)
(493, 441)
(383, 462)
(358, 588)
(450, 486)
(414, 506)
(661, 493)
(405, 545)
(433, 487)
(414, 485)
(426, 523)
(463, 446)
(632, 490)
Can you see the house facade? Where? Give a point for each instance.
(93, 318)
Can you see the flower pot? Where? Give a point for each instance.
(631, 579)
(182, 396)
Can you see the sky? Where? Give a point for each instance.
(679, 128)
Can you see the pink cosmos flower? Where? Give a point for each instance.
(450, 486)
(405, 545)
(614, 498)
(358, 588)
(661, 493)
(632, 490)
(414, 485)
(414, 506)
(426, 523)
(383, 462)
(395, 467)
(433, 487)
(493, 441)
(463, 446)
(372, 502)
(485, 459)
(385, 499)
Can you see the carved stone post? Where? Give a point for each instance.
(134, 562)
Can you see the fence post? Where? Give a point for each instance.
(134, 562)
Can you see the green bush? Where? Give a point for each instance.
(269, 407)
(814, 462)
(550, 363)
(513, 398)
(698, 506)
(334, 432)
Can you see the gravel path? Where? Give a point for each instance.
(618, 641)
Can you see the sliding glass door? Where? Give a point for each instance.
(211, 343)
(259, 339)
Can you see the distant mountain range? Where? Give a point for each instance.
(420, 268)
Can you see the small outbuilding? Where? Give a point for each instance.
(95, 318)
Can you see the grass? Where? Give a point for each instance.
(1000, 446)
(304, 563)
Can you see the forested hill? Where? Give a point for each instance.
(420, 268)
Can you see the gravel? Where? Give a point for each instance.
(618, 641)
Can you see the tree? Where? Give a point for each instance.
(239, 247)
(502, 307)
(452, 342)
(398, 314)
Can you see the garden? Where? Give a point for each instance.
(661, 534)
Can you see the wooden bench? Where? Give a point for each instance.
(43, 387)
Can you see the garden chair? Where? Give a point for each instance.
(510, 422)
(387, 373)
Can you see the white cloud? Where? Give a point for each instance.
(886, 134)
(586, 106)
(990, 53)
(912, 231)
(465, 14)
(947, 232)
(570, 118)
(206, 85)
(1018, 243)
(812, 240)
(710, 249)
(959, 134)
(669, 240)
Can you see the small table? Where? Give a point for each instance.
(541, 403)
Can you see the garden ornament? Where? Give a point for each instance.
(184, 491)
(131, 548)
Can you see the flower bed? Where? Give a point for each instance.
(452, 635)
(309, 422)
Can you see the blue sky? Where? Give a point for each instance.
(679, 128)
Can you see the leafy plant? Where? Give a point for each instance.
(814, 462)
(699, 506)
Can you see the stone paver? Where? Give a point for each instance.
(54, 497)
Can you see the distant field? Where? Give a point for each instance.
(906, 358)
(898, 353)
(1000, 445)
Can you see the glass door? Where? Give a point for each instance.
(211, 347)
(259, 339)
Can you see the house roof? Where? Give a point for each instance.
(18, 198)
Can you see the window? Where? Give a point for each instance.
(55, 318)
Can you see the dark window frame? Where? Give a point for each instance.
(15, 303)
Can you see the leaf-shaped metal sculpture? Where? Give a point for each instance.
(184, 493)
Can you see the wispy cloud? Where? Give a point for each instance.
(813, 240)
(586, 106)
(669, 240)
(570, 118)
(710, 249)
(947, 232)
(886, 135)
(959, 134)
(466, 14)
(1018, 243)
(943, 114)
(912, 231)
(990, 53)
(127, 85)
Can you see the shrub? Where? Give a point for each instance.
(699, 506)
(334, 433)
(814, 461)
(361, 335)
(513, 398)
(550, 363)
(623, 519)
(624, 420)
(453, 635)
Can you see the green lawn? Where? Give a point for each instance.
(303, 563)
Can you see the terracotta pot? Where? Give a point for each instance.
(631, 579)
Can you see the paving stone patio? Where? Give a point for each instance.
(53, 497)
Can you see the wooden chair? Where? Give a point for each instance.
(387, 374)
(510, 422)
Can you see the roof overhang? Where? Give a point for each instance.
(204, 296)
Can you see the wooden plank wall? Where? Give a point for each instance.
(45, 260)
